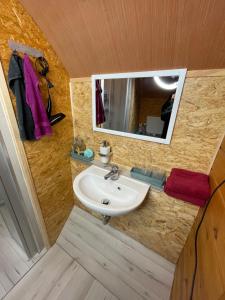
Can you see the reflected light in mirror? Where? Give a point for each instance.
(164, 85)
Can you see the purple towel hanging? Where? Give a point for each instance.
(34, 100)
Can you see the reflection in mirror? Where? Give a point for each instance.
(140, 106)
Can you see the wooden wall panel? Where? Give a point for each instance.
(210, 278)
(48, 158)
(105, 36)
(217, 171)
(161, 223)
(223, 145)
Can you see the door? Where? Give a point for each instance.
(6, 217)
(11, 208)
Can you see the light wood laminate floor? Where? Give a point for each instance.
(92, 261)
(14, 262)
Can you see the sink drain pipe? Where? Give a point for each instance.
(105, 219)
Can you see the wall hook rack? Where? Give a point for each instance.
(24, 49)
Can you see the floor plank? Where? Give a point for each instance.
(39, 282)
(136, 246)
(143, 282)
(98, 270)
(131, 258)
(2, 291)
(8, 242)
(14, 263)
(94, 262)
(74, 284)
(6, 282)
(98, 292)
(101, 250)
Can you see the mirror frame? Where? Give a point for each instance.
(175, 72)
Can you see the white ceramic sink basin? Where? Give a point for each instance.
(108, 197)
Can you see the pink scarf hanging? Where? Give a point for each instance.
(100, 113)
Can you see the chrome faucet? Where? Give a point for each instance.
(113, 174)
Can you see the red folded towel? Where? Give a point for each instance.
(189, 186)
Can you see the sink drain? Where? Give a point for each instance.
(105, 202)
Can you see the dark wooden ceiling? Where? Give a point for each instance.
(103, 36)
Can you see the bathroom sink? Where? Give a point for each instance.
(108, 197)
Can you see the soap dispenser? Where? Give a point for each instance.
(104, 148)
(104, 152)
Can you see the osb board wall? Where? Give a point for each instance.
(210, 276)
(198, 129)
(162, 223)
(48, 158)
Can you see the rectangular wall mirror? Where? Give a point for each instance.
(140, 105)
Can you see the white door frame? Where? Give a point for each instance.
(17, 156)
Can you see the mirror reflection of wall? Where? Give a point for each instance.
(138, 105)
